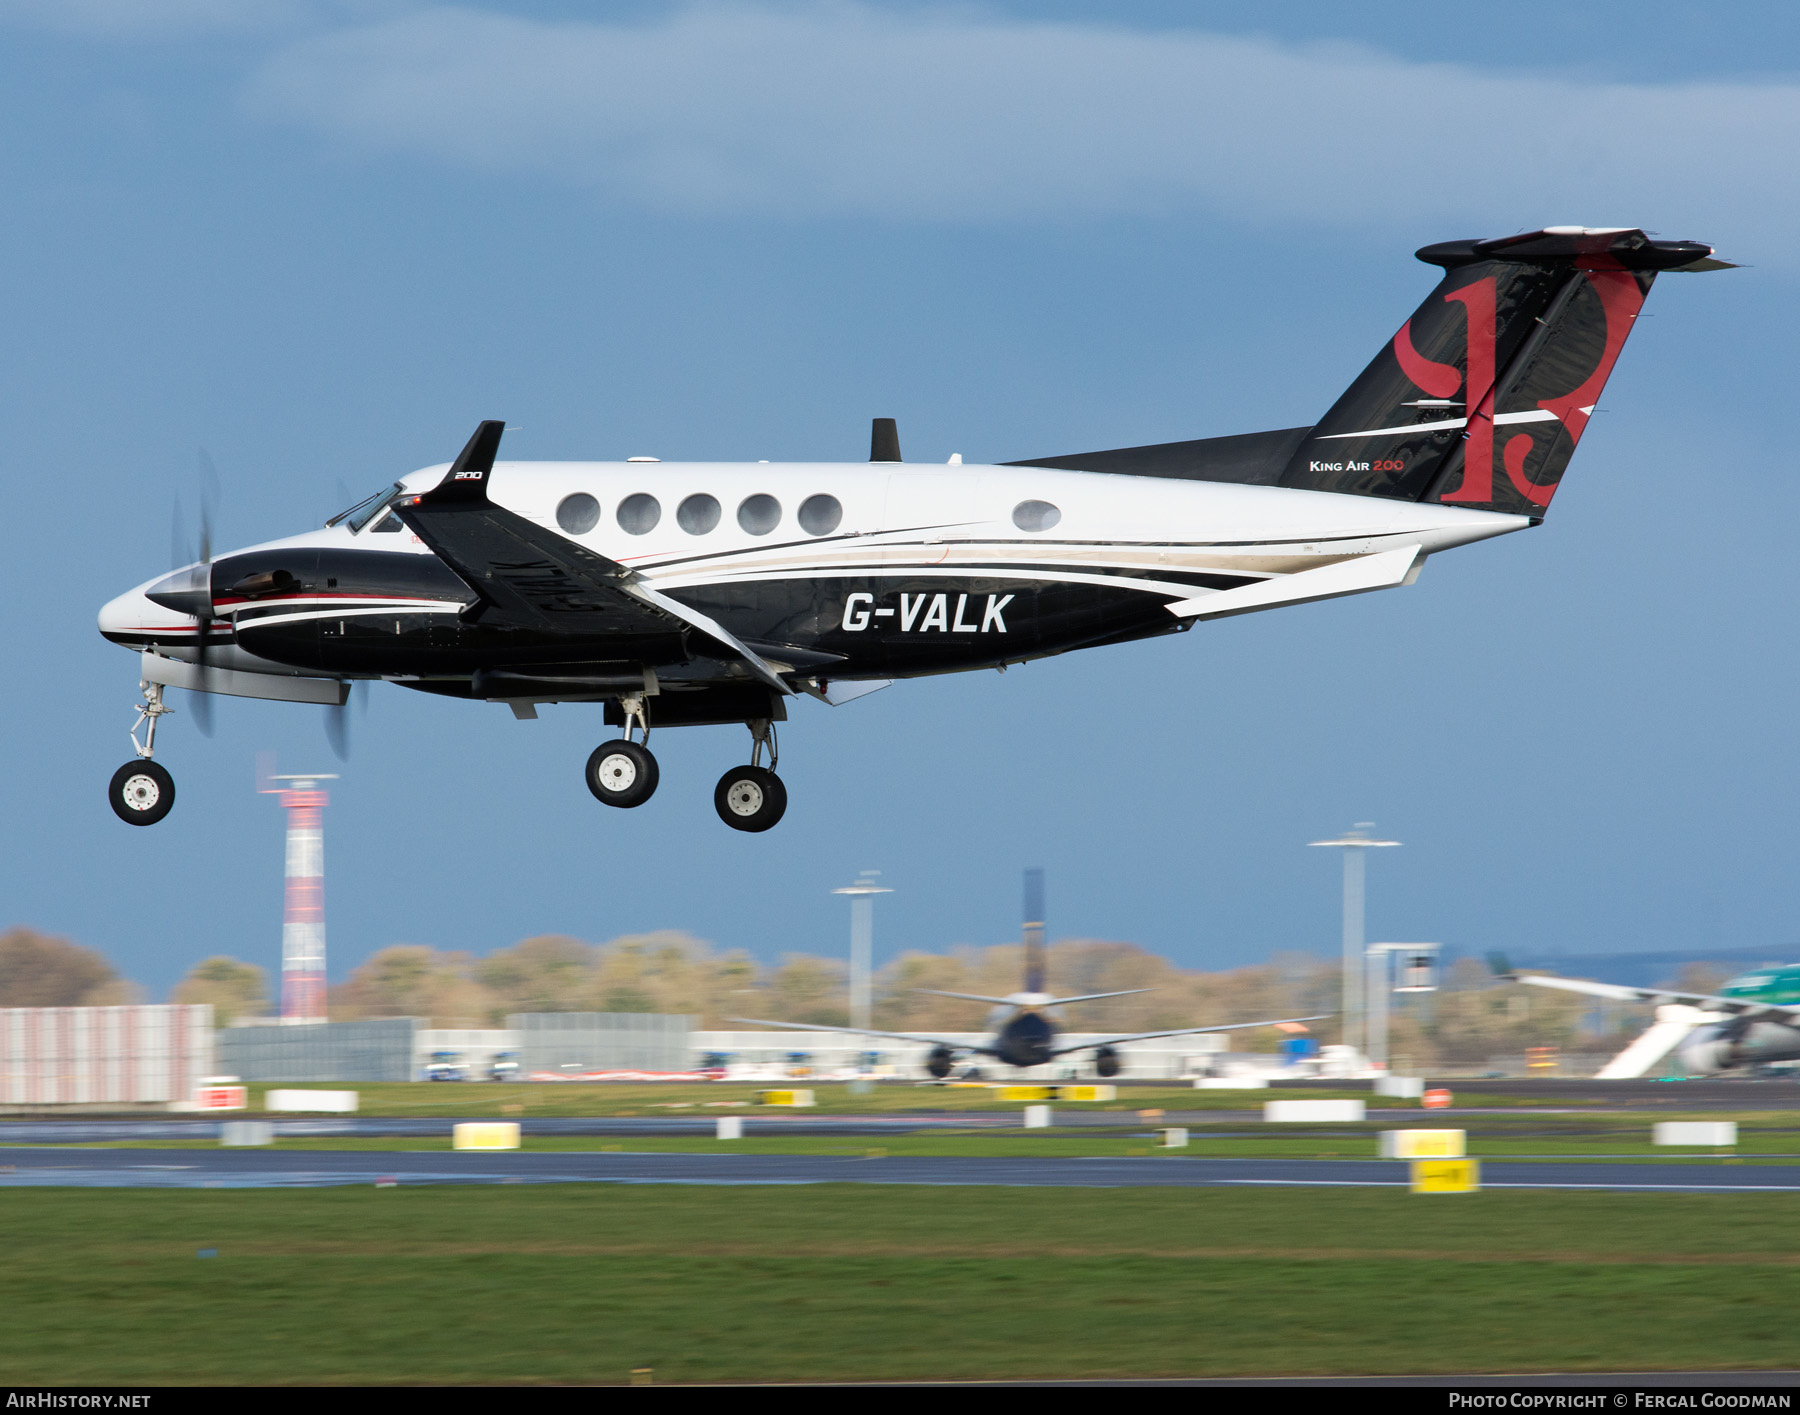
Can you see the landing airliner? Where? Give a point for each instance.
(676, 594)
(1752, 1020)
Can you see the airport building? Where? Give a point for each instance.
(103, 1055)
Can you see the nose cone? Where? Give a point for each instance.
(135, 620)
(187, 591)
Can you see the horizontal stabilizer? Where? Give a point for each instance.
(1181, 1032)
(1367, 572)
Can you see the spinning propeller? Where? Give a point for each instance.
(337, 718)
(194, 595)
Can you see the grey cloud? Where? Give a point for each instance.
(844, 109)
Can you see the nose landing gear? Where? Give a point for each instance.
(141, 792)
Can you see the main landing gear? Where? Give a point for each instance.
(623, 773)
(141, 792)
(752, 798)
(749, 798)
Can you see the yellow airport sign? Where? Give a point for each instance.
(1423, 1144)
(1058, 1093)
(485, 1135)
(1446, 1176)
(795, 1098)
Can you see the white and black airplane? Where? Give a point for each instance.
(689, 593)
(1024, 1029)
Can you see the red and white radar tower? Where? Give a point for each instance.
(303, 919)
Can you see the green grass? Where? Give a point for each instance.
(586, 1283)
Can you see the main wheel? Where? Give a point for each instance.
(750, 798)
(141, 793)
(622, 773)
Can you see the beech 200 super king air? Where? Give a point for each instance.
(687, 593)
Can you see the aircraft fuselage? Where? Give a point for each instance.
(923, 570)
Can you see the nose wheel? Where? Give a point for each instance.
(141, 792)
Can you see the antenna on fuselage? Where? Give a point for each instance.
(1034, 930)
(884, 441)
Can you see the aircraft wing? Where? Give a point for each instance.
(1182, 1032)
(950, 1042)
(1053, 1002)
(526, 574)
(1736, 1006)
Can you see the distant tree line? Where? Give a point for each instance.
(1471, 1019)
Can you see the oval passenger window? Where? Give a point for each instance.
(578, 514)
(1035, 515)
(819, 515)
(698, 514)
(759, 514)
(639, 513)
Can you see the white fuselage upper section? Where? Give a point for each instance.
(904, 523)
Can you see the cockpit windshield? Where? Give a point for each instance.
(365, 510)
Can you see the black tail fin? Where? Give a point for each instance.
(1480, 398)
(1034, 930)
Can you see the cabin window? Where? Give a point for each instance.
(387, 525)
(698, 514)
(820, 515)
(759, 514)
(1035, 515)
(578, 514)
(639, 513)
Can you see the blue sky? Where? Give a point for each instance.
(323, 240)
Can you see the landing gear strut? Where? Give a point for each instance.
(141, 792)
(752, 798)
(623, 773)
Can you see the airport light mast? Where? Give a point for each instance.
(303, 914)
(1418, 975)
(1353, 843)
(862, 941)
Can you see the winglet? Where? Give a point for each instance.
(467, 478)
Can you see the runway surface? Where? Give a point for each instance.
(99, 1131)
(256, 1168)
(54, 1132)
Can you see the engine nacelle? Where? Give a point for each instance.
(941, 1061)
(1106, 1062)
(1706, 1052)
